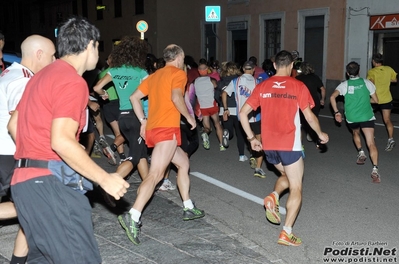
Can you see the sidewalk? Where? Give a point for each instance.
(165, 237)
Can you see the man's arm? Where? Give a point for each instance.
(64, 143)
(135, 99)
(374, 98)
(180, 104)
(255, 143)
(314, 124)
(395, 79)
(371, 87)
(226, 112)
(323, 95)
(12, 125)
(98, 88)
(333, 102)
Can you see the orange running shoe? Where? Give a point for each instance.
(288, 240)
(272, 209)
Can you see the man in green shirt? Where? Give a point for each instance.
(359, 113)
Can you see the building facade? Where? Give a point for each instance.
(246, 28)
(328, 34)
(371, 27)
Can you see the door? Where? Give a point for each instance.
(391, 58)
(314, 42)
(240, 45)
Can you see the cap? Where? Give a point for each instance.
(248, 64)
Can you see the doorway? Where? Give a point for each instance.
(314, 42)
(387, 43)
(313, 38)
(240, 46)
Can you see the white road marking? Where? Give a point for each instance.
(232, 189)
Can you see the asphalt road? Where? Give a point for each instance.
(340, 203)
(344, 215)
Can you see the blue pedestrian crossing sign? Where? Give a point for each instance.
(212, 13)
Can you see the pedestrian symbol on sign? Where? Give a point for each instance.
(212, 13)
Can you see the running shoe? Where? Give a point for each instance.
(259, 173)
(103, 142)
(243, 158)
(391, 143)
(131, 227)
(289, 240)
(205, 140)
(252, 162)
(272, 209)
(222, 148)
(191, 214)
(375, 176)
(110, 155)
(226, 137)
(361, 158)
(167, 185)
(96, 149)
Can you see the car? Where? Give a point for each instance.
(10, 57)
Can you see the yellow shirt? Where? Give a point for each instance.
(382, 77)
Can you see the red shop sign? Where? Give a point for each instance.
(384, 22)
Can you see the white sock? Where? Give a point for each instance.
(276, 194)
(188, 204)
(135, 215)
(287, 229)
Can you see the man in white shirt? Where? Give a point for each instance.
(37, 52)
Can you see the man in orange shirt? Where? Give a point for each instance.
(165, 90)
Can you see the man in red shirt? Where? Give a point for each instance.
(281, 97)
(52, 167)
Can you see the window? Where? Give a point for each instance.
(118, 8)
(210, 41)
(99, 11)
(272, 37)
(75, 7)
(139, 7)
(42, 15)
(85, 11)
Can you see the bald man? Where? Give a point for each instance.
(165, 90)
(37, 52)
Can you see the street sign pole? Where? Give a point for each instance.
(142, 27)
